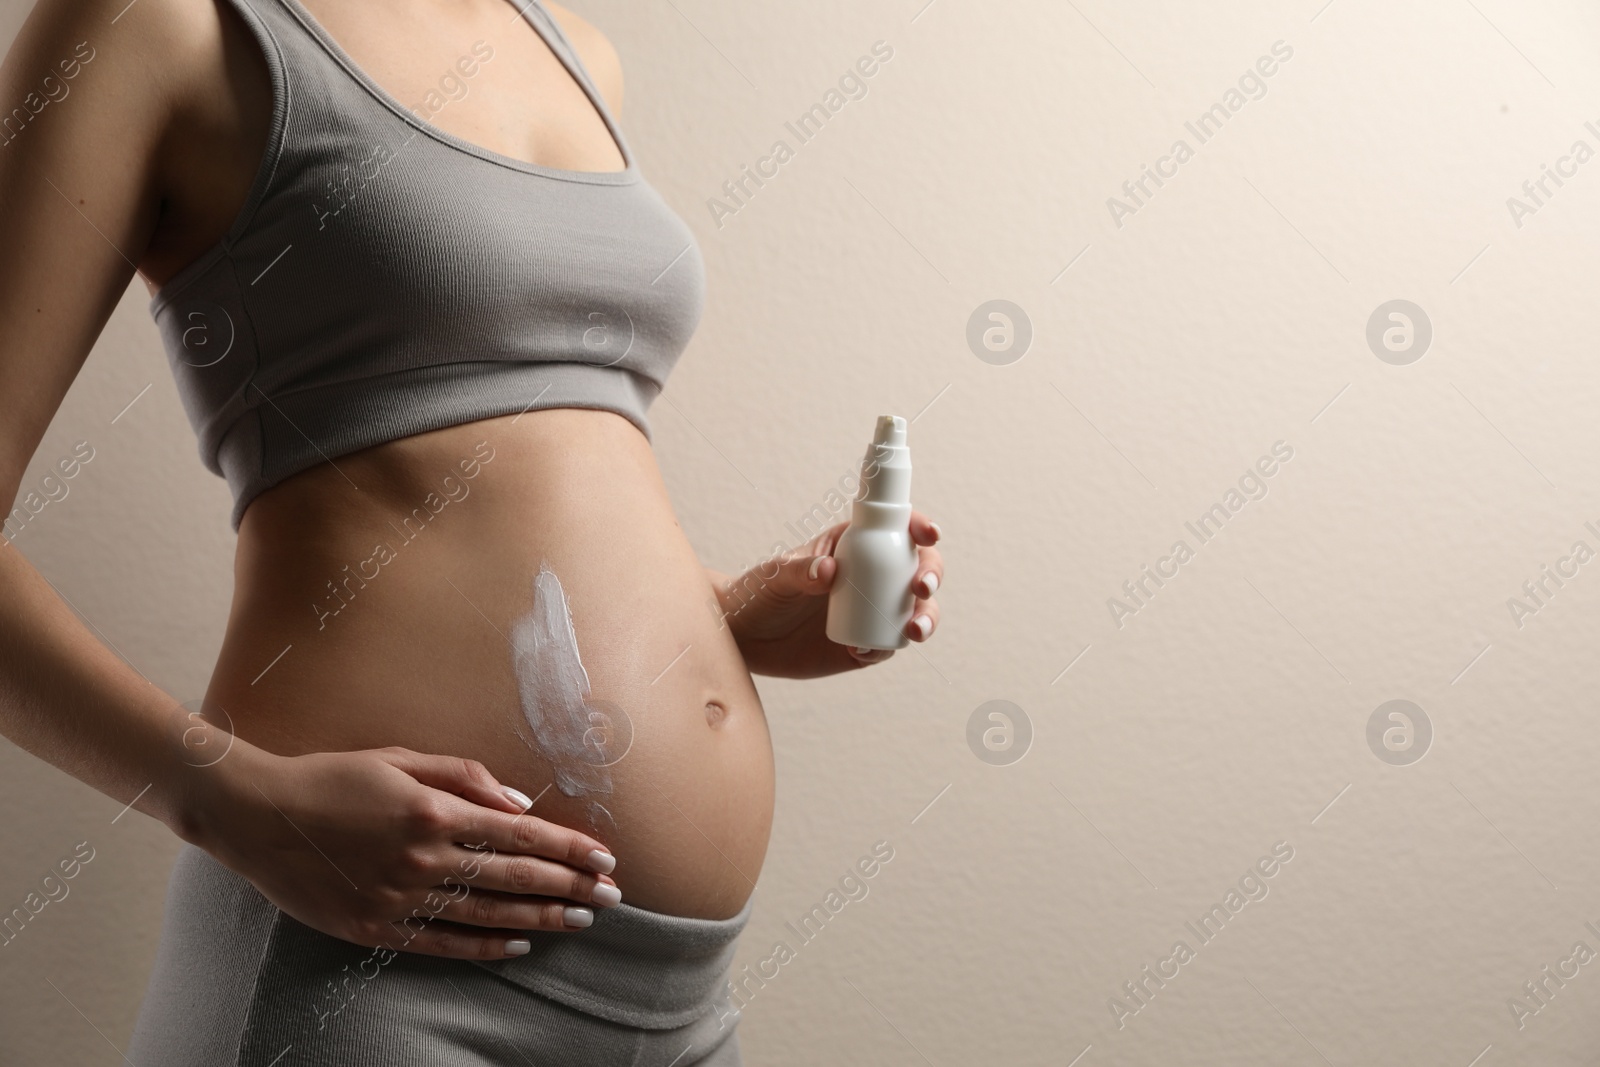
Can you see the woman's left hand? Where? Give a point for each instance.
(778, 616)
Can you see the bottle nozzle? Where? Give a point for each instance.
(886, 469)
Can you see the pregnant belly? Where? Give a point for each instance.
(418, 594)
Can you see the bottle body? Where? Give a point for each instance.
(870, 602)
(871, 599)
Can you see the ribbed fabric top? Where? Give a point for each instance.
(385, 278)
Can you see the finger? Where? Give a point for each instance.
(528, 835)
(924, 619)
(529, 875)
(825, 542)
(930, 572)
(868, 656)
(466, 778)
(512, 912)
(798, 576)
(924, 531)
(819, 573)
(455, 941)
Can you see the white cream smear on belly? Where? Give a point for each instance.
(554, 690)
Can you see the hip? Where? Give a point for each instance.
(238, 982)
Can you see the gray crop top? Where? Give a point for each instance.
(385, 278)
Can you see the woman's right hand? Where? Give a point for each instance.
(394, 848)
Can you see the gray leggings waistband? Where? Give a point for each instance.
(238, 982)
(635, 967)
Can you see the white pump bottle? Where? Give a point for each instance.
(870, 601)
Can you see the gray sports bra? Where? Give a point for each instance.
(385, 278)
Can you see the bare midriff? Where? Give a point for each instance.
(375, 597)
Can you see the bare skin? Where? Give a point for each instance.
(415, 660)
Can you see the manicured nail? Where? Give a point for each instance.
(518, 946)
(602, 862)
(816, 565)
(862, 651)
(519, 799)
(578, 917)
(607, 896)
(924, 626)
(935, 528)
(930, 583)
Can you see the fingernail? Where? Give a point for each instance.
(862, 651)
(930, 583)
(602, 862)
(608, 896)
(935, 528)
(520, 799)
(577, 917)
(816, 565)
(518, 946)
(924, 626)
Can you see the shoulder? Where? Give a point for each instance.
(152, 51)
(135, 65)
(599, 58)
(168, 30)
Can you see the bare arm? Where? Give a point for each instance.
(77, 204)
(99, 87)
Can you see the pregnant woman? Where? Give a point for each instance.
(418, 298)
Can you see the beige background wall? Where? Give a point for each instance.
(1226, 715)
